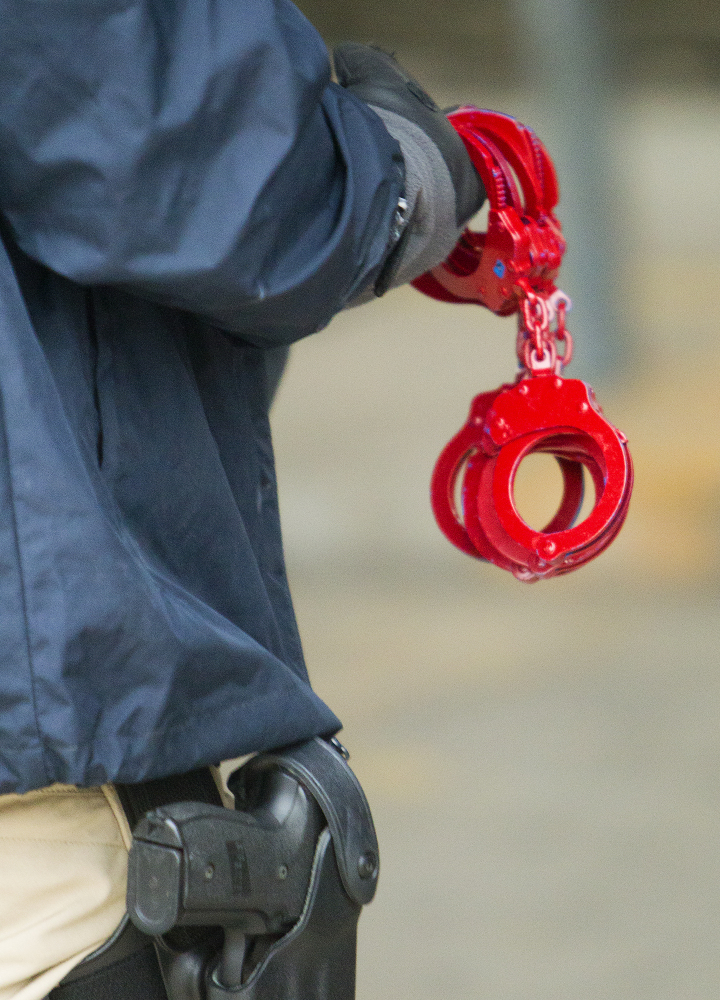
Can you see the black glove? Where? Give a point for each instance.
(442, 188)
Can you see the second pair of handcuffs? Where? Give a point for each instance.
(512, 268)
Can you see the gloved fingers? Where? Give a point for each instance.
(378, 79)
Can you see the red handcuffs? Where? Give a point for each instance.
(512, 268)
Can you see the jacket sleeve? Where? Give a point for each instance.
(196, 153)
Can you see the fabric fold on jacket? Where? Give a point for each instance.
(182, 191)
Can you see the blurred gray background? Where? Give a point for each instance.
(542, 761)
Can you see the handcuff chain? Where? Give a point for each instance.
(537, 339)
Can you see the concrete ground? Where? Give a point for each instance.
(542, 761)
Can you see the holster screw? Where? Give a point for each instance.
(367, 865)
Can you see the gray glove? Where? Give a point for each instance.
(442, 188)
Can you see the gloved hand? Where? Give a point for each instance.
(442, 188)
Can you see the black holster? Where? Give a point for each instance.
(285, 876)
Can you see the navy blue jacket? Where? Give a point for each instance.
(183, 191)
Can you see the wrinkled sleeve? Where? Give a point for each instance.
(195, 153)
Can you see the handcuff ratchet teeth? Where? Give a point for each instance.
(511, 268)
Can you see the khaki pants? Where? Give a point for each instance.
(63, 872)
